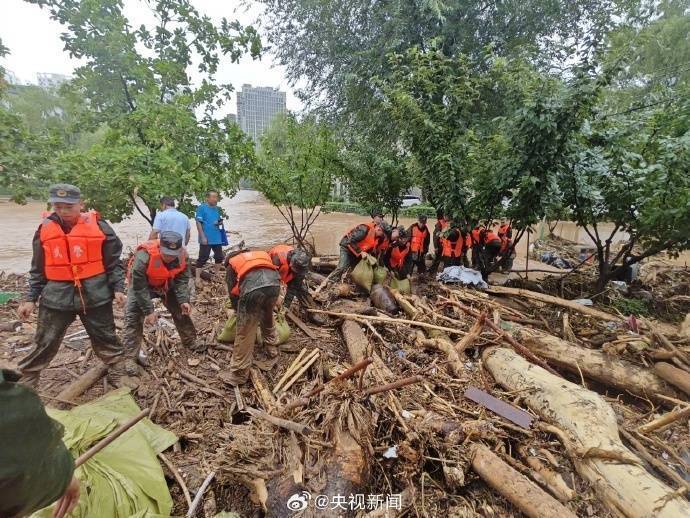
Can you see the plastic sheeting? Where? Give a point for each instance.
(125, 479)
(462, 275)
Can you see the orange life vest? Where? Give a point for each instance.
(443, 223)
(488, 236)
(450, 249)
(246, 262)
(418, 238)
(398, 256)
(503, 230)
(367, 244)
(76, 255)
(281, 252)
(383, 245)
(157, 273)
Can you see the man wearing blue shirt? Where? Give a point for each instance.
(212, 235)
(169, 219)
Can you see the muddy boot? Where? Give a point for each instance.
(234, 378)
(131, 367)
(118, 376)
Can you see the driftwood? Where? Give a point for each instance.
(588, 422)
(595, 364)
(388, 320)
(515, 487)
(82, 383)
(176, 474)
(675, 376)
(472, 335)
(298, 322)
(200, 494)
(547, 477)
(665, 420)
(446, 347)
(550, 299)
(279, 422)
(266, 396)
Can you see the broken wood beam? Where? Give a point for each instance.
(673, 375)
(585, 422)
(472, 335)
(595, 364)
(82, 383)
(550, 299)
(664, 420)
(298, 322)
(515, 487)
(395, 385)
(279, 422)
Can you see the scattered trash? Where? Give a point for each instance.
(509, 412)
(391, 453)
(620, 286)
(554, 260)
(584, 302)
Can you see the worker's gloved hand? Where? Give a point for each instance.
(25, 309)
(68, 501)
(150, 319)
(363, 255)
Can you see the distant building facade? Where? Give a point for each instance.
(48, 80)
(257, 106)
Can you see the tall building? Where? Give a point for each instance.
(48, 80)
(257, 107)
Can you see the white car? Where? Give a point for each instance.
(411, 201)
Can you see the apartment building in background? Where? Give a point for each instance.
(49, 80)
(257, 106)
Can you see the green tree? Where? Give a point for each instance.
(162, 134)
(297, 162)
(375, 176)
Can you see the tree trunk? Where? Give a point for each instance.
(595, 364)
(515, 487)
(674, 375)
(590, 423)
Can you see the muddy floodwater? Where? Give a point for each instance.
(249, 217)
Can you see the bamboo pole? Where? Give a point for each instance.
(389, 320)
(110, 438)
(665, 420)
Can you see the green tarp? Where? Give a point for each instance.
(125, 479)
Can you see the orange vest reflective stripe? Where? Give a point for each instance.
(418, 238)
(76, 255)
(157, 273)
(398, 256)
(368, 243)
(246, 262)
(281, 252)
(450, 249)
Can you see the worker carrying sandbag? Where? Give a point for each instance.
(159, 268)
(360, 242)
(420, 238)
(486, 245)
(36, 468)
(293, 266)
(398, 257)
(75, 272)
(254, 286)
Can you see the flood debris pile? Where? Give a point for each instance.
(459, 403)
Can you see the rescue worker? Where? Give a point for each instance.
(486, 246)
(505, 234)
(358, 242)
(75, 271)
(452, 245)
(159, 268)
(36, 468)
(441, 227)
(419, 244)
(398, 258)
(254, 286)
(293, 265)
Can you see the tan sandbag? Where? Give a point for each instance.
(229, 330)
(403, 286)
(363, 275)
(282, 329)
(380, 274)
(590, 423)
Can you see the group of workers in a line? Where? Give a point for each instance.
(401, 249)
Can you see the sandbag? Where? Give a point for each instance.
(125, 479)
(363, 275)
(282, 329)
(228, 333)
(402, 285)
(380, 274)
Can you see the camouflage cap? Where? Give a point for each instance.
(299, 260)
(171, 243)
(64, 193)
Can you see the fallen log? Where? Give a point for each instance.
(595, 364)
(588, 422)
(675, 376)
(515, 487)
(547, 477)
(550, 299)
(82, 383)
(359, 348)
(472, 335)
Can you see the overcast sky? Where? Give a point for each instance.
(35, 45)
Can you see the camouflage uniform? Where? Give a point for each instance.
(60, 302)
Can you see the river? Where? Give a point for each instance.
(249, 217)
